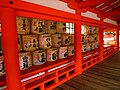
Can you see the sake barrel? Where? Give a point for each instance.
(45, 41)
(61, 27)
(23, 25)
(56, 40)
(25, 60)
(66, 39)
(52, 54)
(39, 57)
(30, 42)
(38, 26)
(70, 50)
(50, 27)
(63, 52)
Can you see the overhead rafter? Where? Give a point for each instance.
(113, 12)
(105, 8)
(90, 3)
(112, 6)
(104, 4)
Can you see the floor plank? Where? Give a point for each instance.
(67, 87)
(103, 76)
(58, 88)
(100, 82)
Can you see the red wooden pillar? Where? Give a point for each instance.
(117, 39)
(10, 48)
(101, 41)
(78, 45)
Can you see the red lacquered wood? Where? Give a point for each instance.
(90, 21)
(100, 41)
(117, 39)
(91, 65)
(2, 80)
(78, 45)
(46, 73)
(37, 69)
(107, 3)
(34, 8)
(89, 3)
(110, 25)
(10, 48)
(60, 82)
(44, 16)
(36, 11)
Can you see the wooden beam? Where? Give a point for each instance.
(118, 21)
(91, 10)
(90, 3)
(112, 6)
(113, 13)
(107, 3)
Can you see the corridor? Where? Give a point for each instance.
(103, 76)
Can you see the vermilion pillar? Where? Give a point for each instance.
(100, 40)
(10, 48)
(78, 45)
(117, 38)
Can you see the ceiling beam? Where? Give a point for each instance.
(113, 12)
(112, 6)
(105, 4)
(90, 3)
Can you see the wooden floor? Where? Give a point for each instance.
(103, 76)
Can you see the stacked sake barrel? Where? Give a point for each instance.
(40, 41)
(89, 38)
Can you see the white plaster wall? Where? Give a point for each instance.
(90, 15)
(110, 21)
(56, 4)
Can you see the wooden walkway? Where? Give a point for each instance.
(103, 76)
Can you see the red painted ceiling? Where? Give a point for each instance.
(108, 8)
